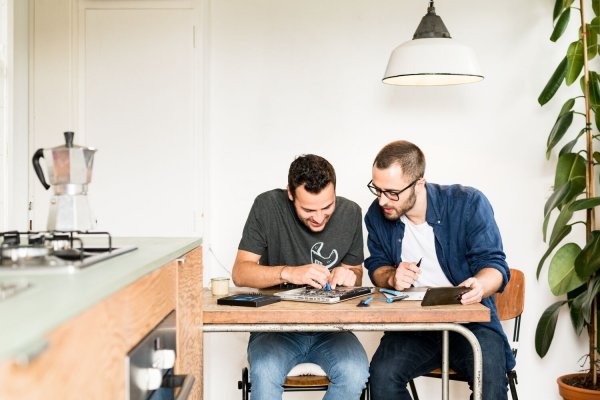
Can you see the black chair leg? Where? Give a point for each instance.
(366, 395)
(512, 383)
(413, 390)
(244, 384)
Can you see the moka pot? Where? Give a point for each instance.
(69, 171)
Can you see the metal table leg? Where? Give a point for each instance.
(445, 366)
(445, 327)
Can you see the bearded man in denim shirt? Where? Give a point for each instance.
(452, 229)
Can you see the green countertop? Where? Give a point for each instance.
(55, 298)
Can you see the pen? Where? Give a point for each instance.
(419, 263)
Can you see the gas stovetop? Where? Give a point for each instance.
(54, 251)
(9, 289)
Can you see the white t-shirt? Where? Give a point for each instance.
(419, 242)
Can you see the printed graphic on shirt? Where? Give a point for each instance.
(318, 258)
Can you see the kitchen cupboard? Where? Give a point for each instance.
(85, 356)
(125, 77)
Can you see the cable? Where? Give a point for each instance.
(210, 250)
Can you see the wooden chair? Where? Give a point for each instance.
(315, 381)
(509, 304)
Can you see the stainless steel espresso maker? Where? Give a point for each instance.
(69, 169)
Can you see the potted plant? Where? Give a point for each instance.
(574, 269)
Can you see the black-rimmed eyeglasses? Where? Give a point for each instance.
(393, 195)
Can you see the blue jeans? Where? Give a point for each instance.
(272, 355)
(402, 356)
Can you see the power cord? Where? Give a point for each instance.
(219, 263)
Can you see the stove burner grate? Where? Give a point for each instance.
(59, 250)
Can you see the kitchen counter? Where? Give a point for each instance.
(53, 299)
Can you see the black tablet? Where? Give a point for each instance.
(444, 295)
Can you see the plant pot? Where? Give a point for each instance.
(569, 392)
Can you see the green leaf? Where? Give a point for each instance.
(563, 219)
(584, 204)
(588, 298)
(551, 247)
(588, 261)
(559, 129)
(575, 311)
(597, 116)
(570, 167)
(592, 41)
(568, 148)
(557, 197)
(574, 61)
(561, 25)
(597, 157)
(562, 277)
(594, 26)
(596, 6)
(580, 306)
(558, 7)
(568, 106)
(544, 332)
(554, 83)
(594, 82)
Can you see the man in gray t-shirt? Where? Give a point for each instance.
(303, 235)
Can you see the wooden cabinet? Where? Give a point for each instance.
(85, 357)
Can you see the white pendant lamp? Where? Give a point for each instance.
(432, 57)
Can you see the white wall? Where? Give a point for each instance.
(292, 77)
(4, 31)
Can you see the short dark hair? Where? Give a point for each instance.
(312, 171)
(406, 154)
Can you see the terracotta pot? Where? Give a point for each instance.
(574, 393)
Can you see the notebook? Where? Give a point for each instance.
(312, 295)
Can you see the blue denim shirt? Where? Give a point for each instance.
(467, 240)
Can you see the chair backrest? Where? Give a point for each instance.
(511, 302)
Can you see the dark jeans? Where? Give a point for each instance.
(402, 356)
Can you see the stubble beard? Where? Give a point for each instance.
(402, 209)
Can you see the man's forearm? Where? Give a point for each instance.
(382, 275)
(490, 279)
(358, 271)
(251, 274)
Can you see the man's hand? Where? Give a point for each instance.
(484, 284)
(475, 295)
(342, 276)
(406, 274)
(315, 275)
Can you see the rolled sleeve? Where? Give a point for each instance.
(484, 243)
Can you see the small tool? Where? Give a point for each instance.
(365, 302)
(395, 298)
(327, 287)
(392, 292)
(419, 263)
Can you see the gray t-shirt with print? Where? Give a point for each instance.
(274, 231)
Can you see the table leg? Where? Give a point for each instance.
(445, 366)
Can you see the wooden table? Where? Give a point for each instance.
(289, 316)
